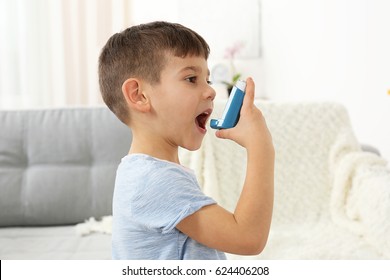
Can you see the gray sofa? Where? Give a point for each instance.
(57, 169)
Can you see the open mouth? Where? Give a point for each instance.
(202, 118)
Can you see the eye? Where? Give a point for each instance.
(192, 79)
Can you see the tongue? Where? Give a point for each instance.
(200, 120)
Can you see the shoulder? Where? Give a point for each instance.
(149, 162)
(150, 170)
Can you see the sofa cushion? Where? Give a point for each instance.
(58, 166)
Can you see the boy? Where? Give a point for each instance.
(154, 77)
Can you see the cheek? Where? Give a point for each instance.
(184, 107)
(176, 106)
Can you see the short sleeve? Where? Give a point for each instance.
(169, 195)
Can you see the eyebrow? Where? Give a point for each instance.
(195, 69)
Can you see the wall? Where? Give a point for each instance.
(332, 50)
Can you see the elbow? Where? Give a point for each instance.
(253, 246)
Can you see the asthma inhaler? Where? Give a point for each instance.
(231, 114)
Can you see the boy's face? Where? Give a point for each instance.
(182, 101)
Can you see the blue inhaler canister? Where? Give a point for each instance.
(231, 113)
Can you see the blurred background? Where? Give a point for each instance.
(296, 50)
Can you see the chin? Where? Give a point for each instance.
(193, 146)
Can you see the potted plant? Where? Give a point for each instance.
(230, 53)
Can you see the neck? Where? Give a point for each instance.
(155, 147)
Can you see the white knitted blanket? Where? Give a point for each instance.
(332, 200)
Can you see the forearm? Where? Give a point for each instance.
(246, 230)
(253, 212)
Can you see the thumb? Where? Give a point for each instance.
(249, 94)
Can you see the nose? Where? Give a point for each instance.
(210, 93)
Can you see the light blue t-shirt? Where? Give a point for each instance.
(151, 197)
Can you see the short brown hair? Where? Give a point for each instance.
(139, 51)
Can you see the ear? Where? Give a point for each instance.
(134, 96)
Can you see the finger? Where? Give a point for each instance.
(249, 93)
(223, 133)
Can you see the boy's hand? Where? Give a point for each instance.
(251, 129)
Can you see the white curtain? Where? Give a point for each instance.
(49, 50)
